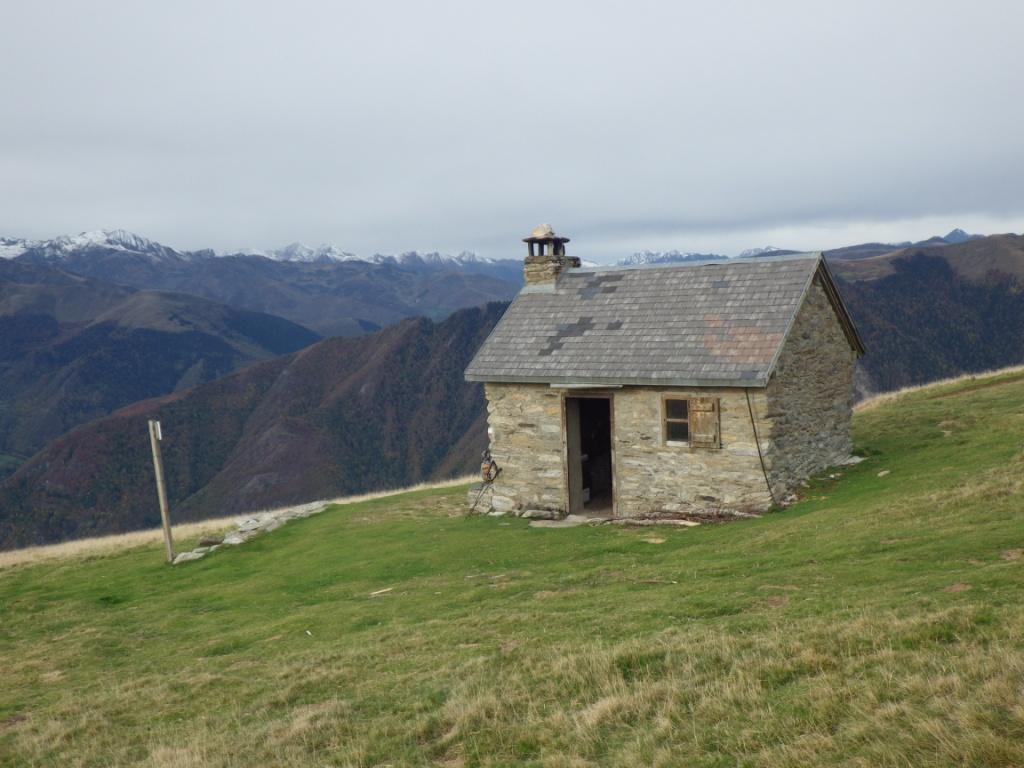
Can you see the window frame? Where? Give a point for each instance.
(688, 443)
(665, 420)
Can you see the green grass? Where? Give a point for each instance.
(879, 622)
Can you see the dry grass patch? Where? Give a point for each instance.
(958, 587)
(100, 546)
(954, 382)
(178, 757)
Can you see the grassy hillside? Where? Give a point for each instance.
(876, 623)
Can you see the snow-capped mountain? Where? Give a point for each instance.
(666, 257)
(766, 250)
(106, 240)
(13, 247)
(430, 259)
(300, 252)
(119, 240)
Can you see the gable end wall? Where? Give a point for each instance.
(810, 396)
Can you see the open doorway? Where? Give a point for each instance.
(588, 434)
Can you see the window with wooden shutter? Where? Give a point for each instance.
(705, 430)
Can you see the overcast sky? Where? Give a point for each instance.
(389, 126)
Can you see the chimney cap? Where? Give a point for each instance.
(544, 233)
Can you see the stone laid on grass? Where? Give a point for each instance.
(184, 557)
(481, 498)
(569, 521)
(251, 526)
(637, 522)
(541, 514)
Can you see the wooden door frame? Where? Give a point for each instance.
(594, 395)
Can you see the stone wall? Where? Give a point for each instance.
(526, 442)
(545, 268)
(653, 476)
(810, 396)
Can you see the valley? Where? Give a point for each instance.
(73, 349)
(341, 416)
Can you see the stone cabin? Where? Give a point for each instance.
(699, 387)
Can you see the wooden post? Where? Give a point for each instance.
(155, 436)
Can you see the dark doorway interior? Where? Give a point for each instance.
(595, 454)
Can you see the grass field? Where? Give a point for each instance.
(186, 533)
(879, 622)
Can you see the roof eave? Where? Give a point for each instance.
(597, 383)
(845, 319)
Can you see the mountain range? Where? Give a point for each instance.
(641, 258)
(928, 312)
(129, 242)
(257, 410)
(332, 296)
(867, 250)
(861, 251)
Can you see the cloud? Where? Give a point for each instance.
(388, 126)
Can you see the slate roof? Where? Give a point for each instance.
(694, 324)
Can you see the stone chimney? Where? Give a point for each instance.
(546, 259)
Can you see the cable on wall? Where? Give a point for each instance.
(757, 442)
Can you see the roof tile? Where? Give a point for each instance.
(710, 324)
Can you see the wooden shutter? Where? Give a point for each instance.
(704, 424)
